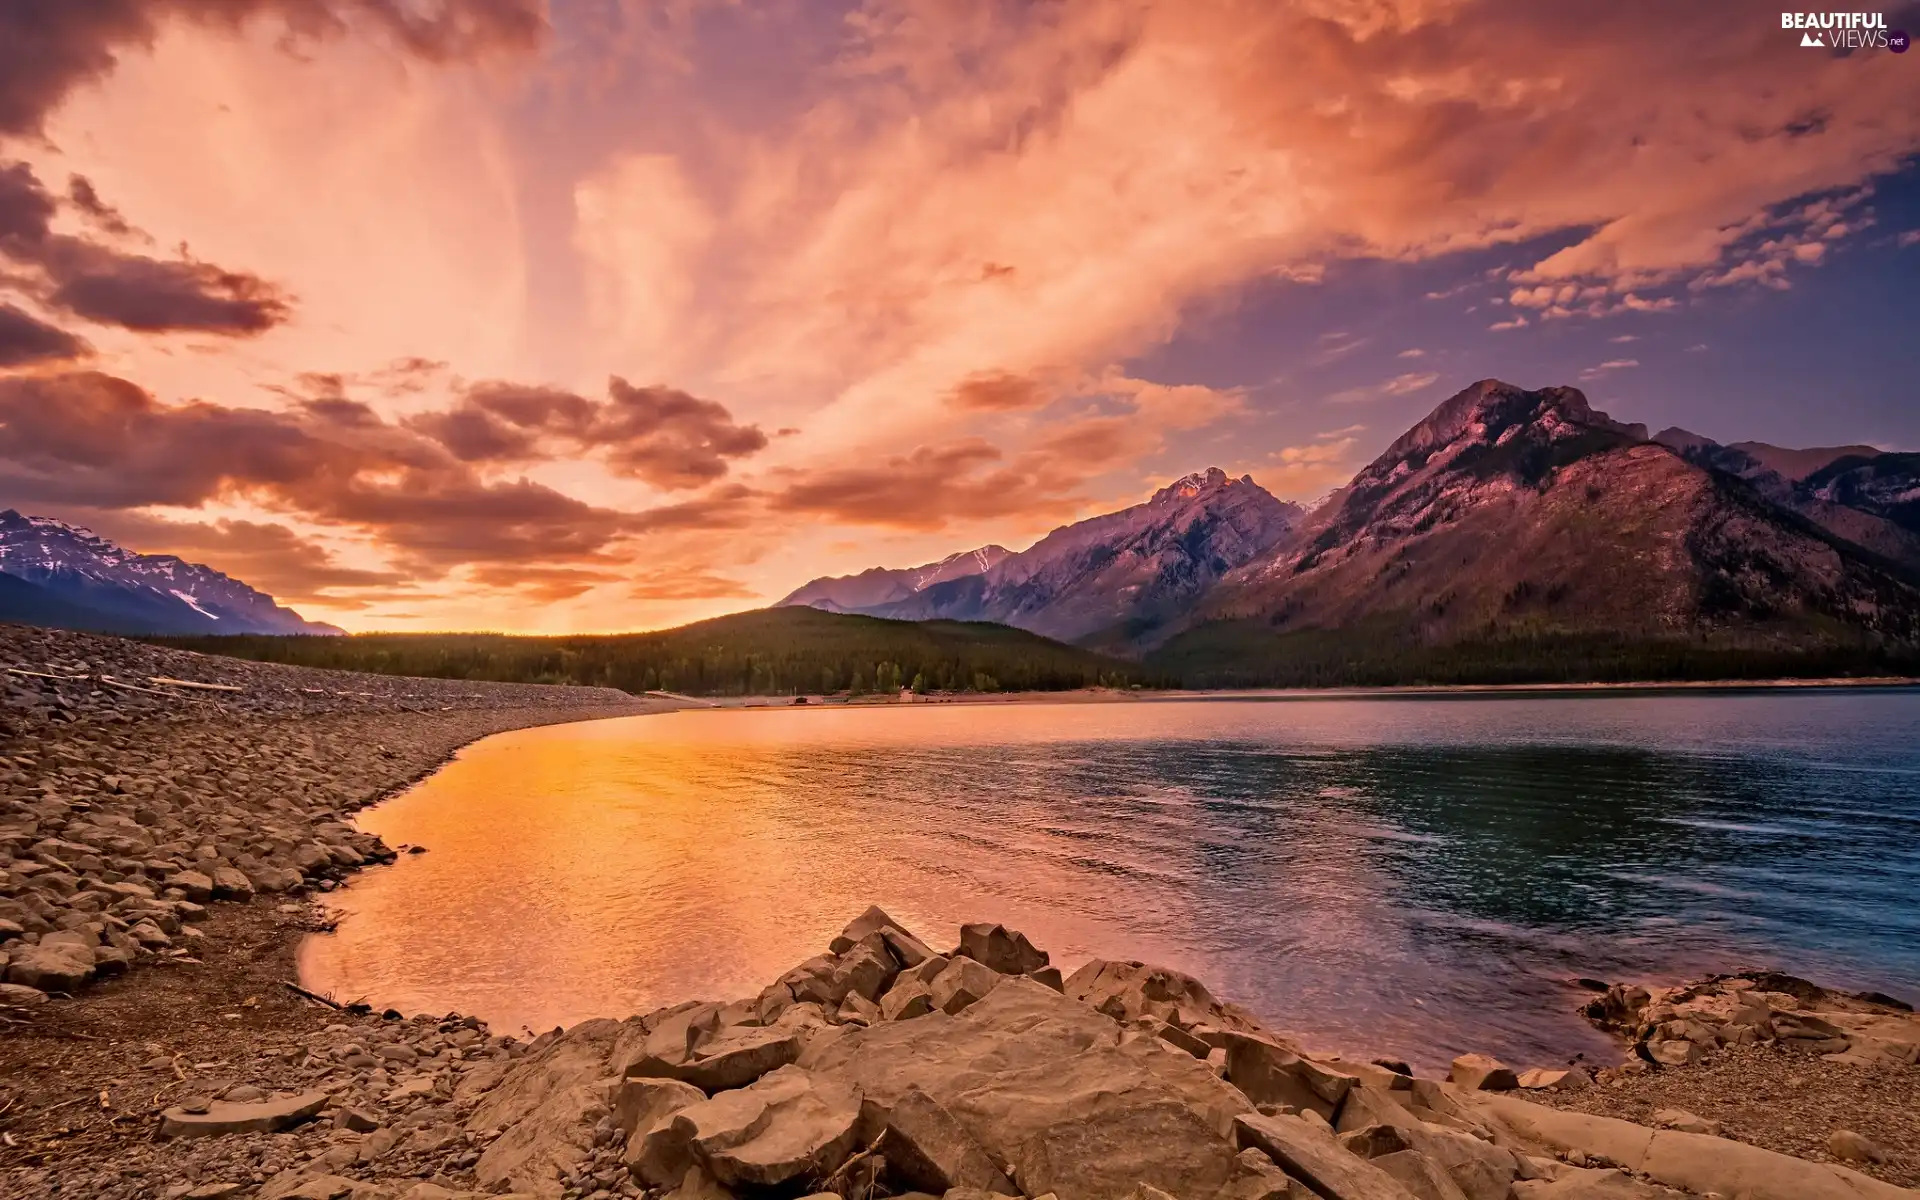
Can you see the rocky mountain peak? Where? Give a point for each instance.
(1188, 487)
(111, 587)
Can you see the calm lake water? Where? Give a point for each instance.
(1403, 876)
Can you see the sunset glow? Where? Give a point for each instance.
(600, 315)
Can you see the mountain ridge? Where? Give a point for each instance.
(1113, 578)
(81, 580)
(1508, 513)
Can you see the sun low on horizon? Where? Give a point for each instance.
(553, 316)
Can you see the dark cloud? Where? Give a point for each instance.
(934, 485)
(25, 339)
(26, 208)
(690, 585)
(100, 283)
(998, 391)
(87, 439)
(151, 295)
(48, 48)
(671, 439)
(81, 193)
(661, 435)
(552, 584)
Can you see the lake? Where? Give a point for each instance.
(1387, 875)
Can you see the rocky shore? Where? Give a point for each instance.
(173, 836)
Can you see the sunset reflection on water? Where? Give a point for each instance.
(1394, 876)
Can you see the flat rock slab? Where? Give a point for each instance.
(1044, 1086)
(1313, 1157)
(1690, 1161)
(224, 1116)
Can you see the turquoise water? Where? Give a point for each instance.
(1413, 877)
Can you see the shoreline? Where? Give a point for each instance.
(84, 1083)
(816, 702)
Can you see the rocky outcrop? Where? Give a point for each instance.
(1132, 1081)
(1677, 1026)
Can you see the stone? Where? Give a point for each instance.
(661, 1155)
(1848, 1146)
(230, 884)
(737, 1058)
(1479, 1073)
(964, 982)
(1003, 950)
(1179, 1038)
(51, 966)
(906, 999)
(1129, 991)
(1803, 1026)
(214, 1191)
(1686, 1122)
(810, 1129)
(1048, 977)
(871, 921)
(221, 1116)
(1045, 1087)
(640, 1103)
(1583, 1184)
(198, 887)
(1548, 1080)
(859, 1010)
(359, 1120)
(696, 1184)
(1270, 1073)
(1374, 1141)
(19, 995)
(1673, 1052)
(926, 1147)
(546, 1107)
(1255, 1177)
(865, 970)
(1691, 1162)
(1315, 1159)
(1420, 1175)
(298, 1185)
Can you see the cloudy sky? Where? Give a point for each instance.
(555, 315)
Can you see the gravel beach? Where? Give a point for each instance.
(167, 821)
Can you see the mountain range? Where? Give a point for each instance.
(1507, 517)
(1510, 535)
(52, 573)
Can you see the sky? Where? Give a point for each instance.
(592, 315)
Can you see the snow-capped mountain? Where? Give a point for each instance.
(877, 586)
(1113, 579)
(83, 581)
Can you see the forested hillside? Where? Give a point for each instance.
(775, 651)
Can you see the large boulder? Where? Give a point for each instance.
(547, 1106)
(1131, 991)
(786, 1129)
(1270, 1073)
(1310, 1154)
(1045, 1087)
(928, 1150)
(1005, 950)
(910, 950)
(221, 1116)
(906, 999)
(51, 966)
(963, 983)
(639, 1104)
